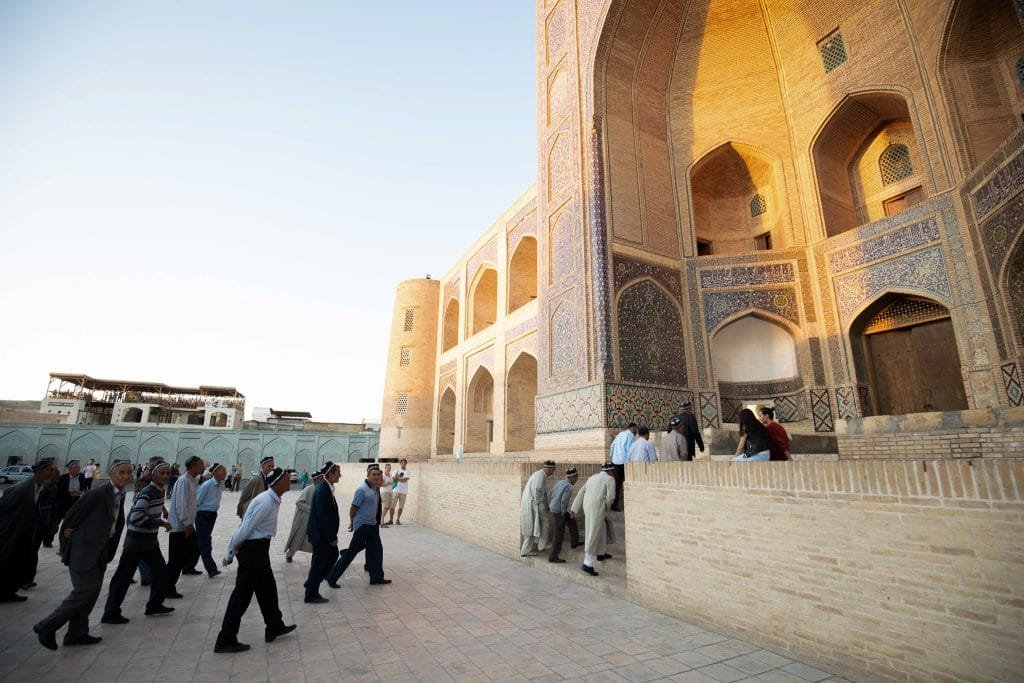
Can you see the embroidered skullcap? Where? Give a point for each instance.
(214, 467)
(72, 463)
(549, 463)
(42, 464)
(608, 467)
(674, 422)
(571, 472)
(113, 463)
(686, 405)
(318, 475)
(274, 476)
(326, 469)
(160, 467)
(371, 467)
(265, 459)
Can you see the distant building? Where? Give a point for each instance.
(301, 420)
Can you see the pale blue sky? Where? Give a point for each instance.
(228, 193)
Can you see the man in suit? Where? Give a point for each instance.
(255, 486)
(70, 488)
(322, 531)
(19, 511)
(691, 432)
(89, 538)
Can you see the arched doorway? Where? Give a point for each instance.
(446, 423)
(480, 413)
(450, 328)
(519, 404)
(905, 349)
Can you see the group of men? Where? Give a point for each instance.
(94, 520)
(544, 514)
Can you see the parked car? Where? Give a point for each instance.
(15, 473)
(293, 476)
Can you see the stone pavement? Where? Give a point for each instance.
(454, 612)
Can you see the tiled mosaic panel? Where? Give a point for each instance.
(747, 276)
(1000, 231)
(751, 390)
(569, 411)
(908, 237)
(709, 409)
(788, 407)
(864, 400)
(731, 408)
(599, 259)
(563, 338)
(1011, 381)
(846, 402)
(650, 336)
(1008, 181)
(817, 362)
(719, 306)
(653, 406)
(924, 270)
(626, 270)
(821, 410)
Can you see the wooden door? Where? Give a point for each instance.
(917, 369)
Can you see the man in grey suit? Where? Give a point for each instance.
(89, 538)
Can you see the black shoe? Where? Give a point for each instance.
(82, 640)
(382, 582)
(366, 569)
(333, 585)
(191, 572)
(271, 633)
(576, 545)
(287, 559)
(589, 570)
(47, 639)
(132, 581)
(602, 558)
(47, 545)
(215, 572)
(230, 648)
(158, 610)
(316, 600)
(146, 582)
(556, 560)
(14, 598)
(30, 584)
(114, 619)
(617, 508)
(173, 595)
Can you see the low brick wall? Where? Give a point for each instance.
(993, 433)
(902, 570)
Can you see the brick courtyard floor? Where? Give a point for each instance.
(454, 612)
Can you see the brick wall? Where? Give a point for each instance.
(882, 570)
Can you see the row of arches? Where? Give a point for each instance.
(482, 294)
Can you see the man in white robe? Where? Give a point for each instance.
(297, 536)
(595, 500)
(534, 516)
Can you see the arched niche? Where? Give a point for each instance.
(905, 349)
(738, 205)
(480, 412)
(979, 71)
(522, 274)
(650, 336)
(450, 325)
(1013, 287)
(483, 300)
(446, 423)
(753, 349)
(848, 152)
(520, 398)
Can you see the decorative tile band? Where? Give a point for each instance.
(821, 410)
(1008, 181)
(760, 389)
(1011, 381)
(907, 237)
(745, 276)
(719, 306)
(570, 411)
(626, 270)
(710, 416)
(924, 270)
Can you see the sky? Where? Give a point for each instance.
(228, 193)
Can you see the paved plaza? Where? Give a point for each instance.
(454, 612)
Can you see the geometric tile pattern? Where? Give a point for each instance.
(741, 276)
(907, 237)
(846, 402)
(923, 270)
(599, 259)
(1008, 181)
(731, 408)
(650, 331)
(1011, 381)
(626, 270)
(788, 407)
(719, 306)
(1000, 231)
(821, 410)
(571, 410)
(652, 406)
(709, 409)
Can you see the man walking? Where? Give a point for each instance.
(533, 510)
(208, 497)
(90, 473)
(691, 432)
(560, 517)
(400, 491)
(19, 511)
(255, 486)
(300, 520)
(619, 450)
(595, 500)
(182, 549)
(779, 448)
(673, 446)
(89, 538)
(322, 531)
(642, 449)
(364, 522)
(251, 543)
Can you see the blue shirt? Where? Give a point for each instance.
(560, 495)
(208, 496)
(642, 450)
(365, 501)
(620, 446)
(260, 521)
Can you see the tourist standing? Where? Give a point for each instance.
(595, 500)
(255, 486)
(322, 531)
(251, 544)
(208, 497)
(400, 491)
(779, 448)
(560, 517)
(618, 452)
(89, 538)
(19, 511)
(533, 510)
(297, 535)
(364, 522)
(387, 497)
(182, 551)
(754, 443)
(90, 473)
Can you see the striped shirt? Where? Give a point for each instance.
(147, 510)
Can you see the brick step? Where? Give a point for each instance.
(611, 579)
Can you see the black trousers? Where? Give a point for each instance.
(205, 520)
(324, 557)
(179, 549)
(559, 522)
(255, 577)
(366, 537)
(620, 471)
(134, 550)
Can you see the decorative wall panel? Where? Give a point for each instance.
(626, 270)
(652, 406)
(720, 306)
(650, 336)
(748, 276)
(1012, 384)
(890, 244)
(487, 254)
(1006, 182)
(571, 410)
(821, 410)
(923, 270)
(709, 414)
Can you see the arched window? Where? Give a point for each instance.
(894, 164)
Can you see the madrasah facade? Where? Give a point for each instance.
(816, 206)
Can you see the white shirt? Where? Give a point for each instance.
(642, 450)
(88, 470)
(403, 486)
(260, 521)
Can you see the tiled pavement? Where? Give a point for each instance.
(454, 612)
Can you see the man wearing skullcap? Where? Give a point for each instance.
(251, 543)
(255, 486)
(595, 500)
(140, 485)
(533, 510)
(19, 510)
(617, 455)
(364, 521)
(89, 538)
(673, 446)
(560, 518)
(207, 504)
(642, 449)
(70, 487)
(322, 531)
(145, 519)
(297, 534)
(182, 551)
(690, 430)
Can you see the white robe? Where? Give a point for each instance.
(594, 500)
(534, 515)
(297, 539)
